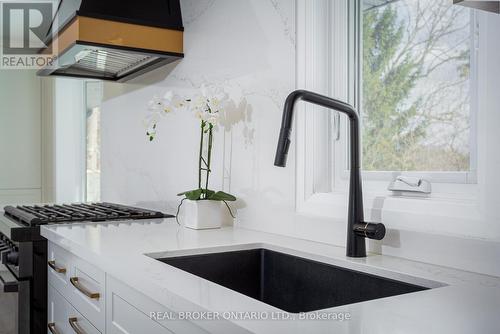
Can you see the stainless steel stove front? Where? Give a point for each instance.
(9, 302)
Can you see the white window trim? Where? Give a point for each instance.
(85, 110)
(322, 47)
(69, 137)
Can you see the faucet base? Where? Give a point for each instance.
(356, 246)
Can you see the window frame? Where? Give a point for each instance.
(323, 47)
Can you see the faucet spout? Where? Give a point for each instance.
(357, 228)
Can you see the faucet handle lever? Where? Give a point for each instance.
(410, 184)
(370, 230)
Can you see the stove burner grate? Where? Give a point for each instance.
(34, 215)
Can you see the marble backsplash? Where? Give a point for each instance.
(248, 48)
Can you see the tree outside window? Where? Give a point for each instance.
(416, 86)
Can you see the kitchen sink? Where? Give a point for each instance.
(290, 283)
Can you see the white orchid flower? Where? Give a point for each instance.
(159, 105)
(214, 104)
(208, 106)
(169, 96)
(168, 102)
(174, 101)
(156, 104)
(198, 103)
(150, 123)
(151, 119)
(213, 118)
(214, 97)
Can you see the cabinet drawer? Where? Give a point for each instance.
(59, 264)
(81, 283)
(65, 319)
(86, 291)
(79, 324)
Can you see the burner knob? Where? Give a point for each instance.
(11, 258)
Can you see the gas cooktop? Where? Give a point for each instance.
(21, 222)
(34, 215)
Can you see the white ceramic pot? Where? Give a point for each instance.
(203, 214)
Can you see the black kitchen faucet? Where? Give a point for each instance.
(357, 228)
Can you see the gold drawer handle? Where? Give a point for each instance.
(73, 322)
(85, 291)
(52, 328)
(52, 264)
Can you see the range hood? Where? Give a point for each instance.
(114, 40)
(490, 6)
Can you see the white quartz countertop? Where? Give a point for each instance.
(460, 302)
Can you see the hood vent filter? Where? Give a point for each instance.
(115, 39)
(109, 64)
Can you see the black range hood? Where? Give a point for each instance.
(114, 40)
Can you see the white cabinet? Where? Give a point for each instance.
(129, 311)
(63, 318)
(99, 303)
(81, 284)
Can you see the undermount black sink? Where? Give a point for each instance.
(290, 283)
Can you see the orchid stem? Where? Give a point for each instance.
(201, 155)
(209, 156)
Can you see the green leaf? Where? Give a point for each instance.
(193, 195)
(222, 196)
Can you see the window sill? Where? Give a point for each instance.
(434, 214)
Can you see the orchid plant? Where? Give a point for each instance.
(207, 106)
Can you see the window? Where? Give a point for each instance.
(93, 94)
(417, 94)
(416, 88)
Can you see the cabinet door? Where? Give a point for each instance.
(125, 318)
(128, 311)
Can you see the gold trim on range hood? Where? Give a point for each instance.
(111, 50)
